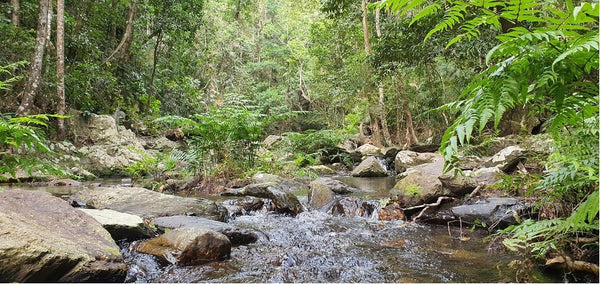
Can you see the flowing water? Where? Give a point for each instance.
(318, 247)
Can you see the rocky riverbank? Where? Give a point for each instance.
(193, 230)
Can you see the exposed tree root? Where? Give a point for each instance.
(567, 263)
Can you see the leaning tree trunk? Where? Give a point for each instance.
(60, 65)
(35, 72)
(125, 43)
(15, 12)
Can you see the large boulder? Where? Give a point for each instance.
(406, 159)
(461, 184)
(420, 184)
(236, 236)
(370, 167)
(507, 158)
(44, 239)
(121, 225)
(369, 150)
(332, 184)
(108, 148)
(187, 246)
(147, 203)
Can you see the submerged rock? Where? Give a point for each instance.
(44, 239)
(188, 246)
(147, 203)
(370, 167)
(121, 225)
(236, 236)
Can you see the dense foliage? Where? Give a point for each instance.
(546, 62)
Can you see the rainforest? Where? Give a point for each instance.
(299, 141)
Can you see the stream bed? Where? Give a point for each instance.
(318, 247)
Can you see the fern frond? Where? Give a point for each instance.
(453, 16)
(587, 43)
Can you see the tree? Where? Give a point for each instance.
(547, 60)
(35, 72)
(60, 65)
(15, 12)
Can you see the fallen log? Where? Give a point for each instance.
(427, 206)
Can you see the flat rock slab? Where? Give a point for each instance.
(121, 225)
(188, 246)
(147, 203)
(236, 236)
(44, 239)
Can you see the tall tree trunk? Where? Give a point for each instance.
(376, 139)
(363, 6)
(154, 62)
(60, 65)
(35, 72)
(382, 109)
(15, 12)
(123, 46)
(410, 135)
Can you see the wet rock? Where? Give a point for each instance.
(44, 239)
(507, 158)
(146, 203)
(390, 212)
(496, 212)
(353, 207)
(283, 201)
(406, 159)
(369, 150)
(188, 246)
(334, 185)
(250, 204)
(370, 167)
(235, 235)
(121, 226)
(420, 184)
(319, 196)
(322, 170)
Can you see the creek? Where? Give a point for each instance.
(319, 247)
